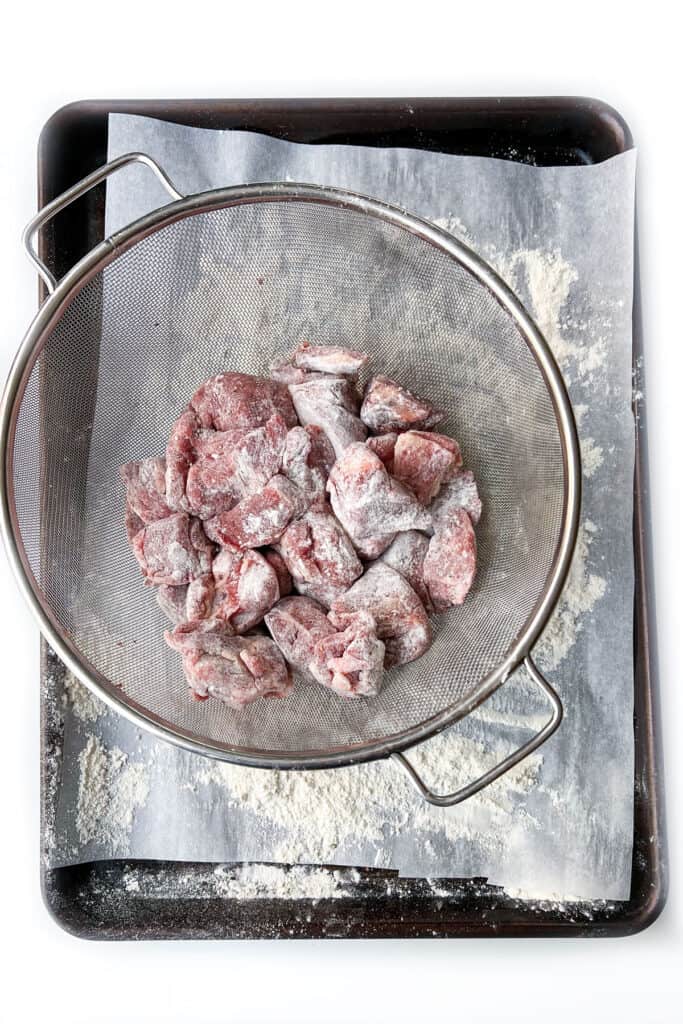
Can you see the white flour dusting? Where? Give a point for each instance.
(317, 814)
(591, 456)
(582, 589)
(84, 704)
(254, 881)
(543, 280)
(110, 790)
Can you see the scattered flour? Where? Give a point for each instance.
(110, 790)
(591, 456)
(454, 226)
(249, 881)
(582, 590)
(84, 704)
(261, 881)
(544, 279)
(319, 816)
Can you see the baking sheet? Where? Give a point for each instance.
(561, 825)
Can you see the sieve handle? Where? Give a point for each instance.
(79, 189)
(449, 799)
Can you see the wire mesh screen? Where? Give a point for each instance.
(234, 288)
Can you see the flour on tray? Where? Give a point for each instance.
(110, 791)
(84, 704)
(318, 815)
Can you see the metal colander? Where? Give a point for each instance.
(232, 279)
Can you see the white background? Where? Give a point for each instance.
(51, 55)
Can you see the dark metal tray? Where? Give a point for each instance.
(174, 900)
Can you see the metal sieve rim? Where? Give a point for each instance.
(113, 247)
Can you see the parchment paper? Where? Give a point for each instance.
(561, 826)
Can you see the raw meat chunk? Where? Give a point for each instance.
(330, 403)
(234, 669)
(296, 625)
(401, 620)
(319, 556)
(308, 360)
(145, 483)
(406, 554)
(307, 460)
(199, 598)
(202, 545)
(383, 446)
(423, 461)
(239, 401)
(451, 560)
(329, 359)
(260, 519)
(286, 372)
(201, 636)
(233, 464)
(371, 506)
(389, 407)
(133, 523)
(172, 601)
(460, 492)
(277, 563)
(210, 484)
(180, 454)
(246, 587)
(327, 389)
(351, 662)
(174, 550)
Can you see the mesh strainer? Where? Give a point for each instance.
(231, 279)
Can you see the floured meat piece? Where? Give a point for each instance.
(406, 554)
(233, 464)
(351, 662)
(296, 624)
(145, 484)
(383, 446)
(277, 564)
(307, 460)
(133, 523)
(423, 461)
(172, 601)
(320, 556)
(202, 636)
(460, 492)
(389, 407)
(174, 550)
(210, 483)
(236, 670)
(246, 587)
(285, 372)
(402, 622)
(239, 401)
(307, 360)
(330, 403)
(329, 359)
(180, 454)
(200, 597)
(372, 506)
(451, 561)
(260, 519)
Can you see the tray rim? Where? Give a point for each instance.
(633, 915)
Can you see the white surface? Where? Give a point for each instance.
(510, 49)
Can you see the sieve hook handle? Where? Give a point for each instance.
(79, 189)
(449, 799)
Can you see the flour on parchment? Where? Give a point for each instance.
(110, 791)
